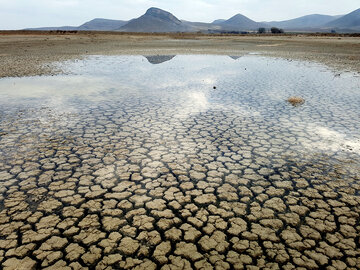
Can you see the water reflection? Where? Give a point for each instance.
(235, 57)
(331, 140)
(183, 89)
(158, 59)
(127, 164)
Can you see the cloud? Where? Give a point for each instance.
(326, 139)
(18, 14)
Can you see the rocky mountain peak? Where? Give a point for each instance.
(162, 14)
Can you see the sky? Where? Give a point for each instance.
(19, 14)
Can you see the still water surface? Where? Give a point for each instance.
(190, 161)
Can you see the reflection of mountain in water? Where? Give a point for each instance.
(158, 59)
(234, 57)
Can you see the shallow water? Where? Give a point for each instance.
(188, 161)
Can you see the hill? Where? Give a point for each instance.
(218, 21)
(200, 26)
(155, 20)
(308, 21)
(93, 25)
(62, 28)
(349, 21)
(102, 25)
(158, 20)
(240, 22)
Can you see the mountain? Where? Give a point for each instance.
(93, 25)
(155, 20)
(241, 22)
(349, 21)
(158, 20)
(200, 26)
(218, 21)
(309, 21)
(62, 28)
(102, 25)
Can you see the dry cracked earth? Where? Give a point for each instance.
(136, 183)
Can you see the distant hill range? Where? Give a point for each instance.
(102, 25)
(158, 20)
(349, 21)
(97, 24)
(309, 21)
(241, 23)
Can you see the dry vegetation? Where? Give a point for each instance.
(296, 101)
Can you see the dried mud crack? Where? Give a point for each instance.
(130, 200)
(137, 183)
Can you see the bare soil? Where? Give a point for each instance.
(27, 53)
(148, 178)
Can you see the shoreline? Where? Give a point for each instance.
(199, 163)
(33, 53)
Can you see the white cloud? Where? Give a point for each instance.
(17, 14)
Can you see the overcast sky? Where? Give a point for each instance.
(18, 14)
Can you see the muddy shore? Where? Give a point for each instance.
(200, 162)
(29, 53)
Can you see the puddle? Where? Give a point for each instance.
(188, 161)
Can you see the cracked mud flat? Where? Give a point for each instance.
(139, 163)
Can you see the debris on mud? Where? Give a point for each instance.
(296, 101)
